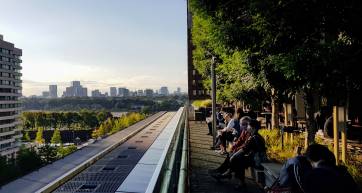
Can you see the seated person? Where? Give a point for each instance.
(229, 133)
(291, 175)
(219, 120)
(251, 153)
(325, 176)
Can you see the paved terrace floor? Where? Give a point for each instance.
(40, 178)
(202, 158)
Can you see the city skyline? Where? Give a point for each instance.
(100, 44)
(59, 93)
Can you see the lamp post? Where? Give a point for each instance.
(213, 97)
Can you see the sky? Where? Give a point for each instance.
(136, 44)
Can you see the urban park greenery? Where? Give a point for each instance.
(273, 49)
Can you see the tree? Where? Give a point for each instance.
(48, 153)
(101, 131)
(39, 136)
(28, 159)
(26, 137)
(286, 46)
(56, 138)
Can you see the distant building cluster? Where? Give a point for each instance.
(77, 90)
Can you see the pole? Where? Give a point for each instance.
(213, 96)
(343, 133)
(335, 134)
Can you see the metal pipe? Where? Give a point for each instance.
(213, 96)
(181, 187)
(170, 166)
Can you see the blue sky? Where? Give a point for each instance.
(134, 43)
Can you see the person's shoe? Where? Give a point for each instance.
(209, 134)
(219, 176)
(221, 152)
(215, 148)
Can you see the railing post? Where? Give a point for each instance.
(335, 134)
(213, 95)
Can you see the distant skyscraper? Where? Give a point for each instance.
(164, 91)
(113, 91)
(149, 92)
(123, 92)
(10, 106)
(75, 83)
(75, 90)
(45, 94)
(96, 93)
(140, 93)
(53, 91)
(178, 90)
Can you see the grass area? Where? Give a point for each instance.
(276, 152)
(202, 103)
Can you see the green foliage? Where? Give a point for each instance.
(64, 151)
(39, 136)
(56, 138)
(201, 103)
(273, 140)
(28, 160)
(8, 170)
(125, 104)
(111, 126)
(48, 153)
(83, 119)
(26, 137)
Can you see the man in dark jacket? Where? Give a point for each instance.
(326, 177)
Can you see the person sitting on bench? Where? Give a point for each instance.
(251, 153)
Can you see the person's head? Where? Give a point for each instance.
(317, 153)
(227, 116)
(239, 113)
(253, 126)
(244, 122)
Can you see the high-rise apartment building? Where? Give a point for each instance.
(53, 91)
(96, 93)
(45, 94)
(75, 90)
(164, 91)
(140, 93)
(113, 91)
(148, 92)
(123, 92)
(10, 91)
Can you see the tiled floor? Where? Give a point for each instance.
(202, 159)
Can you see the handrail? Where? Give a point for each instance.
(183, 175)
(175, 175)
